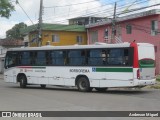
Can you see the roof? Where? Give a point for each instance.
(124, 18)
(86, 17)
(54, 27)
(100, 45)
(72, 47)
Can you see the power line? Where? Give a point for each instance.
(25, 13)
(93, 8)
(72, 4)
(137, 9)
(104, 11)
(130, 5)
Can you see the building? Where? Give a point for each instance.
(10, 43)
(141, 27)
(56, 34)
(85, 20)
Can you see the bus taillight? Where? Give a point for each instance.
(138, 74)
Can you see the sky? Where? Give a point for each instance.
(59, 11)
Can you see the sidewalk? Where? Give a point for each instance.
(1, 76)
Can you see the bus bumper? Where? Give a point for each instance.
(145, 82)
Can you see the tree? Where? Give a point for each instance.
(14, 33)
(6, 7)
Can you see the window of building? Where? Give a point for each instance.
(154, 27)
(106, 33)
(55, 38)
(79, 39)
(128, 29)
(94, 36)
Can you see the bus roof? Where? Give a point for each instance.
(75, 47)
(145, 44)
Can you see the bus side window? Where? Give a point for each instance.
(104, 55)
(115, 57)
(129, 56)
(76, 57)
(95, 57)
(40, 58)
(25, 58)
(58, 57)
(118, 57)
(126, 57)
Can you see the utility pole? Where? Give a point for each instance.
(113, 23)
(40, 24)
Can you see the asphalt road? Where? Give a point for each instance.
(33, 98)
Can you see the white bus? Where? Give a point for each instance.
(84, 66)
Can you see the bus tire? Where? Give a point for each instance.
(83, 84)
(43, 86)
(101, 89)
(22, 81)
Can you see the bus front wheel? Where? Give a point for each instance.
(83, 84)
(23, 81)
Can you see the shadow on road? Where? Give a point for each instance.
(118, 91)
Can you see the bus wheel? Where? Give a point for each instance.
(43, 86)
(83, 84)
(23, 81)
(101, 89)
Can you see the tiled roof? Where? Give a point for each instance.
(128, 17)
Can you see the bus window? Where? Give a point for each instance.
(57, 57)
(118, 57)
(97, 57)
(76, 57)
(115, 57)
(11, 59)
(25, 58)
(40, 58)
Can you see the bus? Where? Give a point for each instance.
(82, 66)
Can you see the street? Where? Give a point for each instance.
(33, 98)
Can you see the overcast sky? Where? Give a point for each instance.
(59, 11)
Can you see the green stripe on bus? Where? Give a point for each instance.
(114, 69)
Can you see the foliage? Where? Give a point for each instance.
(6, 7)
(14, 33)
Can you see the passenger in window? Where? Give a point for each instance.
(125, 60)
(12, 62)
(103, 57)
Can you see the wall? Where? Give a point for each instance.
(66, 38)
